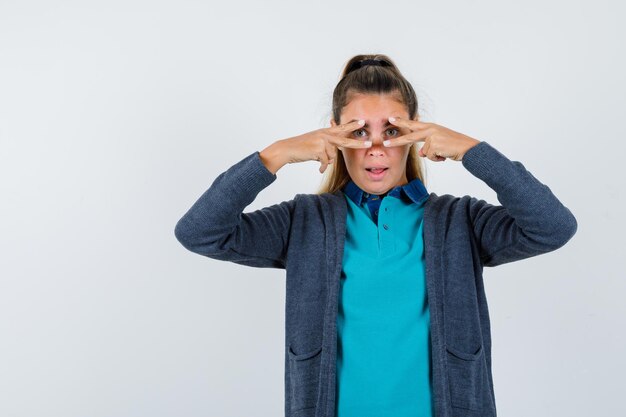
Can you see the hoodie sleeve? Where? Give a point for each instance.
(216, 227)
(530, 221)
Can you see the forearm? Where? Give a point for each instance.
(219, 208)
(538, 213)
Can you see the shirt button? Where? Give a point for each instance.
(385, 226)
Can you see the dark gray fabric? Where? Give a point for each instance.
(305, 236)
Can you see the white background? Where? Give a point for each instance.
(115, 116)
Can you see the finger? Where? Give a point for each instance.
(331, 152)
(417, 136)
(341, 141)
(434, 156)
(347, 127)
(324, 162)
(425, 148)
(408, 123)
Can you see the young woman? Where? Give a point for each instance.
(386, 313)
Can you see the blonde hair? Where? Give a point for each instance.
(370, 79)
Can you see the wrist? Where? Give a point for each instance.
(473, 143)
(272, 157)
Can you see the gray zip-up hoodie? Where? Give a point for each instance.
(305, 236)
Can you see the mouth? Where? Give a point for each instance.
(376, 173)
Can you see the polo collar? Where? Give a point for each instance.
(414, 191)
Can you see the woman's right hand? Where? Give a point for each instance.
(321, 144)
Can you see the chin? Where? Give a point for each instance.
(377, 187)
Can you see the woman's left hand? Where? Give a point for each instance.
(439, 142)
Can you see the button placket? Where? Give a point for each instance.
(385, 220)
(384, 241)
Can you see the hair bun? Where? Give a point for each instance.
(360, 64)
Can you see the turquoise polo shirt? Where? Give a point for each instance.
(383, 321)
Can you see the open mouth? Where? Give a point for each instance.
(376, 173)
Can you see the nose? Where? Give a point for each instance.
(377, 145)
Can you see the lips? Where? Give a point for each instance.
(376, 173)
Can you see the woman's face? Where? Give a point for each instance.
(375, 109)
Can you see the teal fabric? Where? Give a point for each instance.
(383, 321)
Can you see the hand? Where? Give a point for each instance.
(439, 142)
(321, 144)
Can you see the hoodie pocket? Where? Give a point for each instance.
(466, 373)
(304, 374)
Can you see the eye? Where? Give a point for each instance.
(360, 130)
(393, 129)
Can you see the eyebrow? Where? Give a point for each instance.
(387, 123)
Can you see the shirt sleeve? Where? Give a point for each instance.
(531, 219)
(216, 226)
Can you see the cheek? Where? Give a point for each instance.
(351, 157)
(399, 154)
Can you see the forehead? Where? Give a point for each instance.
(374, 108)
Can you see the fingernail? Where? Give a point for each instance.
(361, 122)
(392, 119)
(368, 143)
(386, 142)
